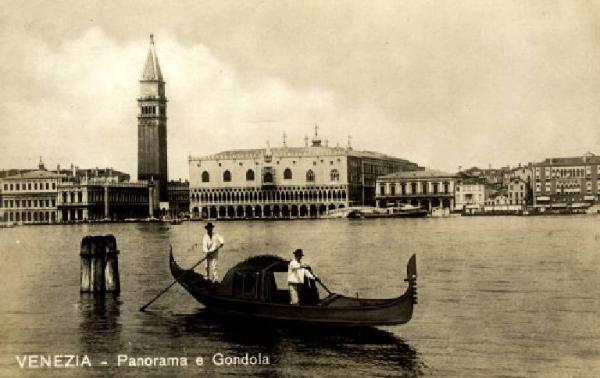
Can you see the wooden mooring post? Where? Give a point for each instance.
(86, 259)
(111, 272)
(99, 264)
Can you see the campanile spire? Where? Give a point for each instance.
(152, 125)
(152, 68)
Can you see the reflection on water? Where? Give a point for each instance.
(373, 350)
(496, 296)
(100, 319)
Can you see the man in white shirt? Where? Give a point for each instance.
(211, 243)
(296, 273)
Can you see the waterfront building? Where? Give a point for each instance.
(286, 182)
(427, 189)
(497, 198)
(29, 196)
(520, 172)
(91, 195)
(498, 203)
(470, 194)
(179, 198)
(518, 191)
(152, 128)
(566, 183)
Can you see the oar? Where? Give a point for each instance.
(172, 283)
(322, 284)
(319, 280)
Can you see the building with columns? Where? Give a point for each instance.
(427, 189)
(286, 182)
(29, 196)
(88, 196)
(179, 198)
(152, 129)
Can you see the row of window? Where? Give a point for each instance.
(30, 216)
(470, 188)
(72, 196)
(30, 186)
(77, 197)
(334, 175)
(565, 189)
(151, 110)
(268, 159)
(148, 109)
(468, 198)
(566, 172)
(29, 203)
(414, 188)
(567, 184)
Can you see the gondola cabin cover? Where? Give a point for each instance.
(257, 288)
(263, 278)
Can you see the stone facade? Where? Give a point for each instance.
(470, 195)
(562, 183)
(427, 189)
(30, 197)
(286, 182)
(152, 127)
(82, 199)
(179, 198)
(517, 192)
(71, 195)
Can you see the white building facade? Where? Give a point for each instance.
(470, 196)
(30, 197)
(285, 182)
(428, 189)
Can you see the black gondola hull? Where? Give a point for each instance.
(334, 309)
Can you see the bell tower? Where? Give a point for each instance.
(152, 126)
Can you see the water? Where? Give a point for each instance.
(498, 296)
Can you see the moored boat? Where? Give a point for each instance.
(398, 211)
(257, 288)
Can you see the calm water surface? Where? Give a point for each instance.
(498, 296)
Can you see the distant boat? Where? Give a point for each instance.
(440, 212)
(398, 211)
(176, 221)
(339, 213)
(251, 289)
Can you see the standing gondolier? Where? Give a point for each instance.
(297, 271)
(211, 243)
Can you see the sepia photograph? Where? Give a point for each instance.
(300, 188)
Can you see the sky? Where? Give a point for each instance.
(441, 83)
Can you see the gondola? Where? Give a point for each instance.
(257, 288)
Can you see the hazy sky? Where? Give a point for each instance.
(441, 83)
